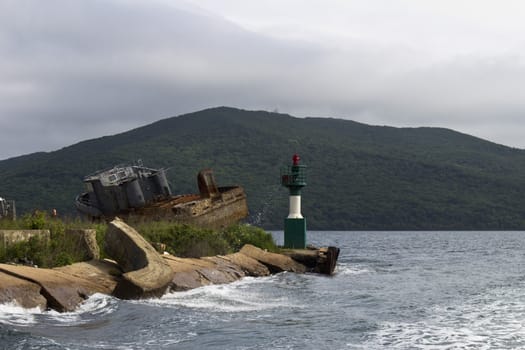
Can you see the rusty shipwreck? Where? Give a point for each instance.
(135, 190)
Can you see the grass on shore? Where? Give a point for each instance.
(179, 239)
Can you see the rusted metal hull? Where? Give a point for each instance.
(136, 191)
(221, 211)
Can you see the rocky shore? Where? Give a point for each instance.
(138, 271)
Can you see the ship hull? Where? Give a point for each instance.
(222, 211)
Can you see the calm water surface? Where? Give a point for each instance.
(392, 290)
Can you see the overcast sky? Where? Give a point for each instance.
(72, 70)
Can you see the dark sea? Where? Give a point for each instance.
(391, 290)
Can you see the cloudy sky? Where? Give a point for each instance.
(72, 70)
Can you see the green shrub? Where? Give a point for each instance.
(57, 251)
(239, 235)
(35, 221)
(189, 241)
(63, 258)
(180, 239)
(8, 224)
(30, 252)
(101, 229)
(184, 240)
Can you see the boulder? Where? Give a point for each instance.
(223, 270)
(249, 266)
(275, 262)
(193, 273)
(63, 292)
(105, 273)
(307, 257)
(186, 272)
(24, 293)
(146, 274)
(318, 260)
(327, 260)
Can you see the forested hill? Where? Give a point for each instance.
(359, 176)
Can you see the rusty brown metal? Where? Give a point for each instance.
(147, 195)
(207, 186)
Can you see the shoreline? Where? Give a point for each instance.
(138, 271)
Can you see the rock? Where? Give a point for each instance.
(187, 280)
(249, 266)
(20, 291)
(193, 273)
(62, 292)
(318, 260)
(223, 271)
(307, 257)
(84, 242)
(275, 262)
(327, 260)
(146, 273)
(186, 272)
(105, 273)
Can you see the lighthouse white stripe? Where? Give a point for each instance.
(295, 208)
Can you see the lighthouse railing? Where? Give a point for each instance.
(294, 175)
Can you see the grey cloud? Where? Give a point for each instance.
(88, 68)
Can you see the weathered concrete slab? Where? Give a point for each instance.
(146, 273)
(24, 293)
(9, 237)
(63, 292)
(275, 262)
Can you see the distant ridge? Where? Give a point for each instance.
(359, 176)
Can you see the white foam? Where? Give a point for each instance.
(351, 269)
(14, 314)
(241, 296)
(97, 304)
(493, 320)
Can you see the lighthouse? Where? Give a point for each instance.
(294, 178)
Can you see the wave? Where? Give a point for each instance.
(95, 306)
(244, 295)
(14, 314)
(493, 320)
(352, 269)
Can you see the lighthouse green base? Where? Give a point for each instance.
(295, 233)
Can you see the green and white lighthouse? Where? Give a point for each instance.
(294, 177)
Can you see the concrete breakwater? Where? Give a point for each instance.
(138, 271)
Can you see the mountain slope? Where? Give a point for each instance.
(359, 176)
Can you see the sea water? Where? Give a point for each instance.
(391, 290)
